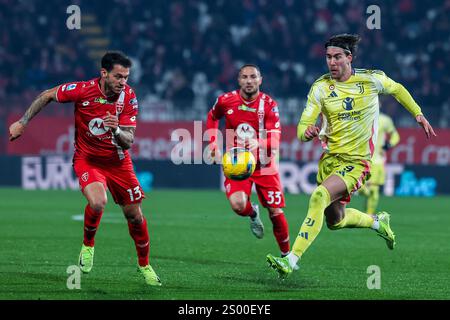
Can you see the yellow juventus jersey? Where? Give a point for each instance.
(350, 111)
(385, 128)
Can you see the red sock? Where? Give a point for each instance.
(248, 211)
(281, 231)
(139, 233)
(91, 222)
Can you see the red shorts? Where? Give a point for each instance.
(119, 179)
(268, 188)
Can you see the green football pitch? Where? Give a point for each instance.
(202, 250)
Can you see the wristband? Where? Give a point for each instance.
(117, 131)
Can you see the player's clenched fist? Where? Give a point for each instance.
(111, 121)
(214, 154)
(16, 130)
(249, 144)
(311, 132)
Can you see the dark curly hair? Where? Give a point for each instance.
(348, 42)
(115, 57)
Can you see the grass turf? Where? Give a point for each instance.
(202, 250)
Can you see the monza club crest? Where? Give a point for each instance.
(119, 108)
(85, 176)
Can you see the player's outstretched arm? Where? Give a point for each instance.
(18, 127)
(405, 99)
(399, 92)
(423, 122)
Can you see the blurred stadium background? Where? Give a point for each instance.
(185, 53)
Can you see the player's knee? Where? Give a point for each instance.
(98, 205)
(135, 219)
(317, 196)
(238, 206)
(133, 214)
(273, 212)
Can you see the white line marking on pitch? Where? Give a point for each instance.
(80, 217)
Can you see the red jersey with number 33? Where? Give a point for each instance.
(243, 116)
(93, 140)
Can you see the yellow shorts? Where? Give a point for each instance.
(377, 174)
(354, 172)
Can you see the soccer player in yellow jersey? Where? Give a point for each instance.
(388, 137)
(347, 99)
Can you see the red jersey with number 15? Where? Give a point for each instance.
(93, 140)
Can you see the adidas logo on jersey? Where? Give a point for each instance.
(333, 94)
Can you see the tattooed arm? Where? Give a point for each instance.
(123, 135)
(18, 127)
(125, 138)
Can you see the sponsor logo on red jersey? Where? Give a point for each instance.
(245, 108)
(69, 87)
(97, 127)
(245, 131)
(102, 101)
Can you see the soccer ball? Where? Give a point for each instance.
(238, 164)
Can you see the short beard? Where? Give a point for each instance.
(249, 94)
(108, 89)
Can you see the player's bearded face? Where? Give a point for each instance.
(249, 81)
(338, 62)
(116, 79)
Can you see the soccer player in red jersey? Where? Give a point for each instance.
(254, 118)
(105, 122)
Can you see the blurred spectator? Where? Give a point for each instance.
(172, 42)
(179, 91)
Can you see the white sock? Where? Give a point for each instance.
(293, 259)
(376, 223)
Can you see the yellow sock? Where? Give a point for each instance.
(372, 199)
(320, 199)
(354, 219)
